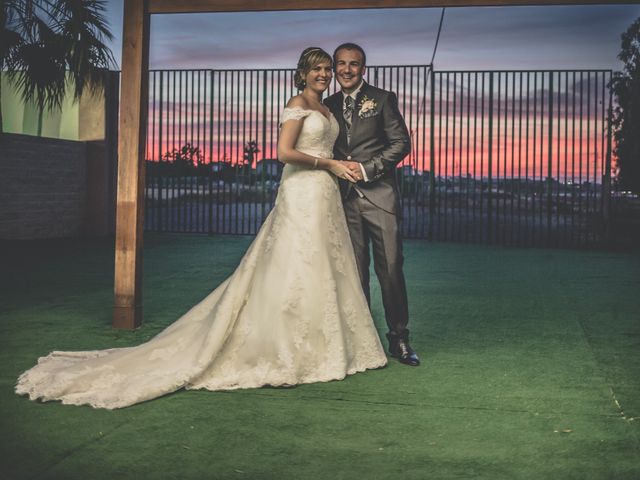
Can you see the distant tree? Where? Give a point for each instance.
(202, 168)
(184, 160)
(42, 40)
(250, 150)
(625, 120)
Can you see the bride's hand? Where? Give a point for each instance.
(341, 171)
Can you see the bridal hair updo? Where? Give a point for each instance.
(310, 57)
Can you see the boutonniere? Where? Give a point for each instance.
(367, 107)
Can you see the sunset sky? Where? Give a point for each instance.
(472, 38)
(489, 38)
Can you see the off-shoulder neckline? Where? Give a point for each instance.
(328, 119)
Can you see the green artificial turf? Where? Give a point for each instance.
(531, 370)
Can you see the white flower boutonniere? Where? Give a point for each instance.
(367, 107)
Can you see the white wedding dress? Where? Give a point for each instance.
(292, 312)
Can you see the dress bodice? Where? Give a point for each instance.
(318, 132)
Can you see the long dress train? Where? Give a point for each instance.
(292, 312)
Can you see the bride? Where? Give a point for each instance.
(293, 312)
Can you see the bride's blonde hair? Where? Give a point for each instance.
(309, 58)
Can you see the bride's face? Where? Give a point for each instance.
(319, 77)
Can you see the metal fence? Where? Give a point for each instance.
(507, 157)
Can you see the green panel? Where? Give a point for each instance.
(23, 119)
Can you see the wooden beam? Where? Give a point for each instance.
(195, 6)
(127, 311)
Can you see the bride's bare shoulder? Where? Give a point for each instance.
(298, 102)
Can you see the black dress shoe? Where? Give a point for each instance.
(401, 350)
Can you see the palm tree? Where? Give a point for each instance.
(43, 39)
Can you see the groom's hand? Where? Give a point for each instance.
(354, 168)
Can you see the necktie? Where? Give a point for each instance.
(348, 110)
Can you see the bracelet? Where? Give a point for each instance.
(315, 162)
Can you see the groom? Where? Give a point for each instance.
(373, 139)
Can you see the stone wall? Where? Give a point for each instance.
(51, 188)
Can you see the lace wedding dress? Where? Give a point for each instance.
(293, 311)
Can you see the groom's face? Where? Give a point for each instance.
(349, 69)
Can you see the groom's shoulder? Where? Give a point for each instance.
(377, 92)
(332, 98)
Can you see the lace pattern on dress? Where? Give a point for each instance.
(294, 113)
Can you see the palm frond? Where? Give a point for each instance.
(42, 39)
(82, 24)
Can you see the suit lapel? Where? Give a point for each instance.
(334, 102)
(356, 117)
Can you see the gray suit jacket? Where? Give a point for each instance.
(379, 140)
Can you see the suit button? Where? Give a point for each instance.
(349, 157)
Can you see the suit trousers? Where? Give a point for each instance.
(369, 223)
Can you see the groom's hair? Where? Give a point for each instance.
(350, 46)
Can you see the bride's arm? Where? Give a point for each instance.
(288, 154)
(286, 147)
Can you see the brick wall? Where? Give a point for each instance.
(45, 185)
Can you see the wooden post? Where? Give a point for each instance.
(127, 311)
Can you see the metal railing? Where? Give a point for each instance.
(506, 157)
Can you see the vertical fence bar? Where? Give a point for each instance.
(601, 129)
(199, 220)
(179, 179)
(573, 157)
(170, 145)
(580, 160)
(446, 161)
(521, 190)
(482, 196)
(496, 233)
(458, 192)
(567, 184)
(159, 177)
(264, 131)
(439, 203)
(490, 164)
(527, 105)
(474, 226)
(606, 207)
(190, 196)
(451, 181)
(247, 206)
(549, 181)
(541, 178)
(505, 165)
(512, 187)
(210, 170)
(534, 151)
(432, 154)
(558, 177)
(253, 210)
(590, 197)
(467, 162)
